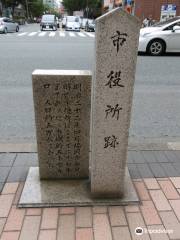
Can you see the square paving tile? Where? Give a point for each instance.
(149, 156)
(169, 169)
(4, 172)
(177, 167)
(160, 156)
(172, 156)
(26, 159)
(18, 174)
(130, 157)
(1, 186)
(144, 170)
(7, 159)
(138, 157)
(157, 170)
(133, 170)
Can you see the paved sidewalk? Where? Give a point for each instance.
(159, 211)
(156, 176)
(142, 164)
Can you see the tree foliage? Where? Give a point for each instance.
(78, 5)
(11, 3)
(35, 7)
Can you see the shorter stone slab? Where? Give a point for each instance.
(48, 193)
(62, 114)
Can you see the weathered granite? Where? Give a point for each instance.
(116, 45)
(62, 114)
(76, 192)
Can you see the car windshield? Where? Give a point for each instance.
(48, 18)
(161, 24)
(72, 19)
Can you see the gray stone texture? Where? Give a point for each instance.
(116, 45)
(62, 100)
(76, 192)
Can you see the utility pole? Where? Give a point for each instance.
(27, 9)
(123, 4)
(87, 9)
(113, 3)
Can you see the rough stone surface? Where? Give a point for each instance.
(76, 192)
(62, 112)
(116, 53)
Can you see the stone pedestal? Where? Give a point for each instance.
(116, 45)
(48, 193)
(62, 114)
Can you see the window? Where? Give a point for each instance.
(48, 18)
(171, 26)
(161, 24)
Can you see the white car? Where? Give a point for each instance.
(8, 25)
(160, 38)
(72, 23)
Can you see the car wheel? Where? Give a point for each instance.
(5, 30)
(41, 28)
(17, 29)
(156, 47)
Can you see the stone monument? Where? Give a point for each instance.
(62, 113)
(116, 46)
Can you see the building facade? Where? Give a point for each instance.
(110, 4)
(54, 4)
(156, 9)
(147, 8)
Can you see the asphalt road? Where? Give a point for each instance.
(156, 102)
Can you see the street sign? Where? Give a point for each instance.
(168, 11)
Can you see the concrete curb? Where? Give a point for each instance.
(18, 147)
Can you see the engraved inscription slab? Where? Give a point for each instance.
(62, 114)
(116, 45)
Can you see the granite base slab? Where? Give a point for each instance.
(45, 193)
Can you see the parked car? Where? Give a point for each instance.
(8, 25)
(72, 23)
(161, 37)
(90, 26)
(48, 22)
